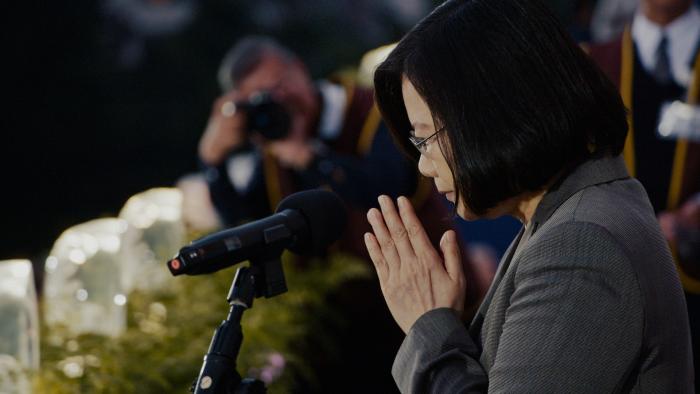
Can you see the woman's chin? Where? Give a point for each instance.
(466, 214)
(492, 213)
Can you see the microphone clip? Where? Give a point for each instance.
(268, 276)
(264, 277)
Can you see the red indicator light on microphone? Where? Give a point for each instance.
(175, 264)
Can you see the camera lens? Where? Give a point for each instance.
(267, 117)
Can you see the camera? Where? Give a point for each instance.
(265, 116)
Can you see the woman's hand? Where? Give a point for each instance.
(414, 277)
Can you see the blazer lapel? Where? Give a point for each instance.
(478, 321)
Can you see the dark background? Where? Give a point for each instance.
(84, 128)
(98, 108)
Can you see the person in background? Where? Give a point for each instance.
(655, 62)
(610, 18)
(326, 133)
(508, 116)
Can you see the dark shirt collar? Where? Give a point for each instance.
(595, 171)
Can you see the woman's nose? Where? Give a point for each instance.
(426, 167)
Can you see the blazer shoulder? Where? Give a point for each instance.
(576, 245)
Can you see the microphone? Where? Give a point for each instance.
(306, 223)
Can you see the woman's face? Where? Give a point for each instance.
(432, 162)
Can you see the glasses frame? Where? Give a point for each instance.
(422, 143)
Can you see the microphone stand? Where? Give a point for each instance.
(218, 375)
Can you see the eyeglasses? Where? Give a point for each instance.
(422, 143)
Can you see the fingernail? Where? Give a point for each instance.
(372, 214)
(402, 201)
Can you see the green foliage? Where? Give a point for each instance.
(169, 332)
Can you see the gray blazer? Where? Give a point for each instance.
(591, 303)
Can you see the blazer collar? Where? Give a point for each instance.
(595, 171)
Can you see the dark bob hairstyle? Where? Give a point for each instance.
(519, 100)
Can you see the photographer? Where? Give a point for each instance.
(317, 134)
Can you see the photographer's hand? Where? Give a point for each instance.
(225, 130)
(292, 153)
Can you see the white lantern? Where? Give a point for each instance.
(156, 232)
(19, 328)
(83, 288)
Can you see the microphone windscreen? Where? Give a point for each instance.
(325, 214)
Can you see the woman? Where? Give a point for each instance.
(511, 118)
